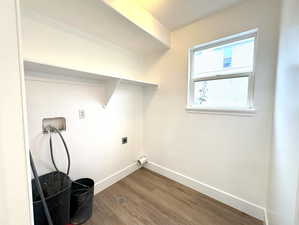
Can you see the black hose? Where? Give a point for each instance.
(67, 152)
(65, 147)
(40, 191)
(51, 152)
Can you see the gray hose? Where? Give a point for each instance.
(50, 128)
(40, 191)
(65, 147)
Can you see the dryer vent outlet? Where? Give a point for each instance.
(124, 140)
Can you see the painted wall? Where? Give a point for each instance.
(142, 18)
(229, 153)
(112, 20)
(94, 142)
(283, 187)
(48, 41)
(14, 199)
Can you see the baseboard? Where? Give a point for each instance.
(108, 181)
(226, 198)
(266, 220)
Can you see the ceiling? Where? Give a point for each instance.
(176, 13)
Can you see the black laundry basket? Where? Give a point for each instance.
(81, 200)
(56, 187)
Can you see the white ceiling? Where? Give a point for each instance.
(177, 13)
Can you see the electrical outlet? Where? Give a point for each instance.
(81, 114)
(124, 140)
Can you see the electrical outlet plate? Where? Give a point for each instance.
(124, 140)
(57, 122)
(81, 114)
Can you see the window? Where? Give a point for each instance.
(221, 74)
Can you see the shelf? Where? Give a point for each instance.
(106, 20)
(46, 71)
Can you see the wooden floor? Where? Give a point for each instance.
(146, 198)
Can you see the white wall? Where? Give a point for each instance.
(14, 199)
(48, 41)
(94, 142)
(229, 153)
(283, 187)
(142, 18)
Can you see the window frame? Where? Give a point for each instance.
(250, 109)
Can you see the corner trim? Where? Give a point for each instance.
(115, 177)
(266, 219)
(222, 111)
(224, 197)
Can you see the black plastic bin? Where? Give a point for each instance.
(81, 200)
(57, 190)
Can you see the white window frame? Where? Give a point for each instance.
(250, 109)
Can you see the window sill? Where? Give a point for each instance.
(222, 110)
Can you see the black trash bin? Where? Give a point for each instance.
(81, 200)
(57, 190)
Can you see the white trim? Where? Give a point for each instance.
(115, 177)
(236, 37)
(222, 76)
(221, 110)
(266, 219)
(215, 193)
(24, 111)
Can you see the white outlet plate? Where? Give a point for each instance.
(81, 114)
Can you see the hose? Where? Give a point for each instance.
(40, 191)
(34, 171)
(50, 128)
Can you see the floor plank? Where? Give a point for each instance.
(146, 198)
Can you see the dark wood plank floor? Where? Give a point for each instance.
(146, 198)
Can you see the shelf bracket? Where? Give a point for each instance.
(111, 86)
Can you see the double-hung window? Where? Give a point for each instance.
(221, 74)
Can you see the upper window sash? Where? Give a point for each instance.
(226, 40)
(220, 71)
(221, 76)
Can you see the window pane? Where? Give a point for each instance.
(227, 92)
(235, 57)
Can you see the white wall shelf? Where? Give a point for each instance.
(46, 71)
(104, 20)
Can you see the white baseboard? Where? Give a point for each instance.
(108, 181)
(226, 198)
(266, 220)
